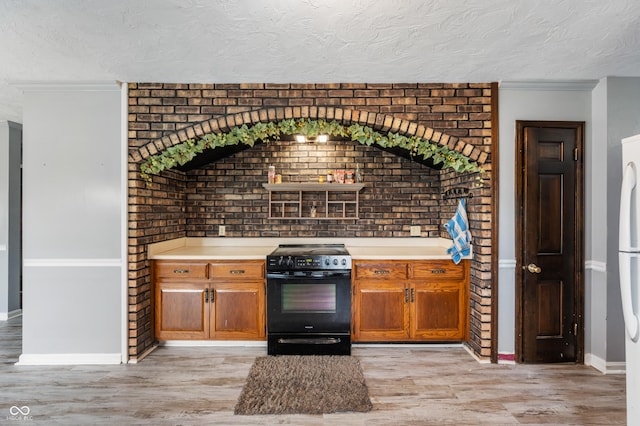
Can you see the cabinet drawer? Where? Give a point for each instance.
(181, 270)
(237, 270)
(383, 270)
(438, 270)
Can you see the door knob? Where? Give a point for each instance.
(533, 268)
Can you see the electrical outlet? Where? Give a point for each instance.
(222, 230)
(414, 231)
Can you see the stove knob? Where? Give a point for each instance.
(281, 261)
(335, 261)
(326, 261)
(290, 262)
(344, 262)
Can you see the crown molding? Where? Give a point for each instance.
(66, 86)
(560, 85)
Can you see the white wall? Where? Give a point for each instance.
(569, 101)
(596, 235)
(73, 216)
(10, 243)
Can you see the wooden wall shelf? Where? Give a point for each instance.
(333, 201)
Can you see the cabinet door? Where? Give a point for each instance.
(380, 311)
(182, 311)
(238, 310)
(438, 310)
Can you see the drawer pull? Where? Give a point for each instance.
(180, 271)
(438, 271)
(381, 271)
(236, 271)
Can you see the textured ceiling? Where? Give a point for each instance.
(312, 41)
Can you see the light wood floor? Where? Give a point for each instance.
(407, 385)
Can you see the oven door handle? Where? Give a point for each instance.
(319, 275)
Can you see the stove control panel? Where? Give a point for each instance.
(301, 263)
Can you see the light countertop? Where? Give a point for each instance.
(259, 248)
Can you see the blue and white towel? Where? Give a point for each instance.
(458, 228)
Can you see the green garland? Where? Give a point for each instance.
(249, 135)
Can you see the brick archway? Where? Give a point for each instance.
(162, 115)
(377, 121)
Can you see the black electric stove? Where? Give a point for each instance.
(309, 300)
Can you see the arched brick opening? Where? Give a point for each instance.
(377, 121)
(142, 200)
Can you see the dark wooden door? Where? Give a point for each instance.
(550, 241)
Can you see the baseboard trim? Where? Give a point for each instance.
(143, 355)
(407, 345)
(70, 359)
(603, 366)
(213, 343)
(476, 357)
(5, 316)
(506, 358)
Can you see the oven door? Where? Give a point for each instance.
(310, 302)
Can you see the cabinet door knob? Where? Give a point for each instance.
(413, 295)
(206, 295)
(406, 295)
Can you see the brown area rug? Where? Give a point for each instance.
(309, 384)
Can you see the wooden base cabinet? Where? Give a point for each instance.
(212, 300)
(409, 301)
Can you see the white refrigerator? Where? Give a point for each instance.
(629, 261)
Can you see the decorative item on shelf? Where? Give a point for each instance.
(272, 174)
(340, 176)
(278, 178)
(329, 176)
(358, 174)
(321, 179)
(314, 210)
(348, 176)
(459, 192)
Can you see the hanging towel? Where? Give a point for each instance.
(458, 228)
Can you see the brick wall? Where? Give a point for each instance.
(462, 109)
(398, 191)
(155, 214)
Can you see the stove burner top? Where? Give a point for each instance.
(309, 257)
(310, 249)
